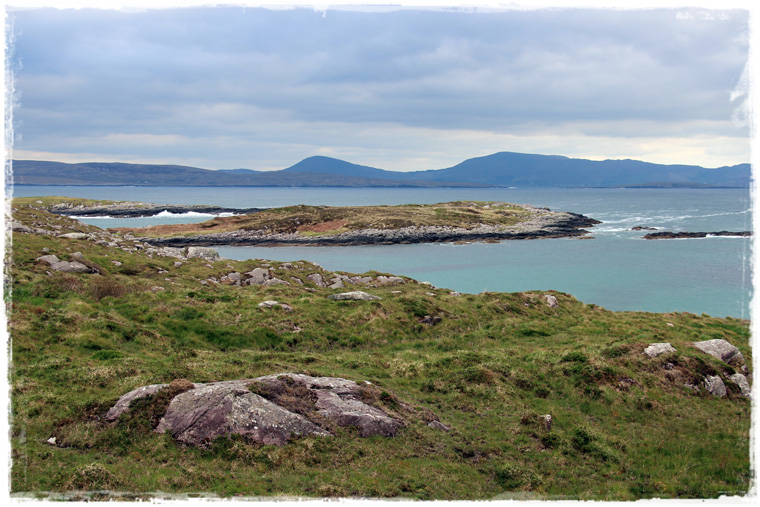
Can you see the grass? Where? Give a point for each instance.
(624, 426)
(328, 220)
(49, 202)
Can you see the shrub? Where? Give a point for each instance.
(105, 355)
(510, 476)
(575, 357)
(101, 287)
(90, 477)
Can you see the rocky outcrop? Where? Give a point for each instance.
(655, 349)
(74, 266)
(689, 235)
(714, 385)
(270, 409)
(353, 296)
(545, 224)
(198, 252)
(722, 350)
(742, 382)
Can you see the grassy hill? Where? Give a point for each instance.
(490, 365)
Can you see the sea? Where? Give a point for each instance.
(617, 269)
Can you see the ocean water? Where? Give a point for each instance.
(617, 270)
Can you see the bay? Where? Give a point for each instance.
(617, 270)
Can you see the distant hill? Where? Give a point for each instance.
(35, 172)
(525, 170)
(498, 169)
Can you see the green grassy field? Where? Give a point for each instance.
(624, 427)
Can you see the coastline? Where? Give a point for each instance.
(546, 225)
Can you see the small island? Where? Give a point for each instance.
(693, 235)
(304, 225)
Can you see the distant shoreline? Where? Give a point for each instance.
(615, 187)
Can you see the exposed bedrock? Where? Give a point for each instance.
(272, 409)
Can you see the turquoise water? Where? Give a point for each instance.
(617, 270)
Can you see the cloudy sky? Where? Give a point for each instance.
(395, 88)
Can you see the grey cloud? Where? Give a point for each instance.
(92, 73)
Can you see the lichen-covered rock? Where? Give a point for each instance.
(209, 411)
(317, 280)
(19, 227)
(389, 280)
(257, 276)
(73, 235)
(353, 296)
(202, 252)
(70, 267)
(276, 281)
(655, 349)
(269, 410)
(272, 304)
(50, 259)
(714, 385)
(722, 350)
(123, 403)
(741, 381)
(552, 301)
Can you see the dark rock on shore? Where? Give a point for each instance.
(643, 228)
(687, 235)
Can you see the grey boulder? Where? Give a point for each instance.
(268, 410)
(257, 276)
(70, 267)
(714, 385)
(741, 381)
(655, 349)
(198, 416)
(353, 296)
(202, 252)
(722, 350)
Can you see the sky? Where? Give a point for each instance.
(398, 88)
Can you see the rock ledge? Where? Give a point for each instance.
(272, 409)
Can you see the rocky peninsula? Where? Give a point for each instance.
(373, 225)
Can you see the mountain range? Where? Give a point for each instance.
(497, 170)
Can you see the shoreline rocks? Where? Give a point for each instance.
(691, 235)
